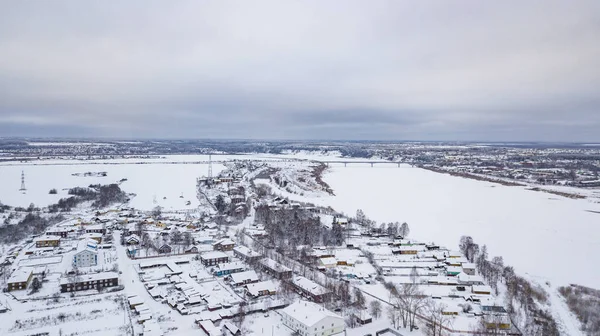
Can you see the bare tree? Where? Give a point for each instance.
(394, 315)
(437, 320)
(375, 308)
(404, 230)
(468, 247)
(359, 298)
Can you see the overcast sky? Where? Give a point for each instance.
(382, 70)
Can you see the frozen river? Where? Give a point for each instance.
(549, 237)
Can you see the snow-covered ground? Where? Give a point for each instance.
(547, 236)
(154, 184)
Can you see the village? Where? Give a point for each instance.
(239, 267)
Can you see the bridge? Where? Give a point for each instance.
(347, 162)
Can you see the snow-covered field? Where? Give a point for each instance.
(154, 184)
(551, 238)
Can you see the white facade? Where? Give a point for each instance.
(85, 258)
(310, 319)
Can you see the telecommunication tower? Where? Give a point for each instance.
(23, 181)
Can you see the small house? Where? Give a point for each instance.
(164, 249)
(20, 279)
(47, 241)
(223, 245)
(213, 258)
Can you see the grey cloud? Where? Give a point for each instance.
(466, 70)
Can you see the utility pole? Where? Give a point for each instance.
(209, 166)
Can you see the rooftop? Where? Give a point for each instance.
(308, 313)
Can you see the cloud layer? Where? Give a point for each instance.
(422, 70)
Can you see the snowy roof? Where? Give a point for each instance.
(92, 277)
(231, 266)
(213, 255)
(225, 241)
(468, 266)
(243, 276)
(482, 288)
(308, 313)
(309, 286)
(87, 245)
(255, 288)
(328, 261)
(20, 275)
(243, 250)
(272, 264)
(47, 238)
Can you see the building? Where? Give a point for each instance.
(63, 233)
(310, 319)
(482, 290)
(96, 228)
(229, 268)
(93, 235)
(89, 281)
(132, 240)
(47, 241)
(243, 278)
(86, 255)
(223, 245)
(213, 258)
(261, 288)
(453, 270)
(327, 263)
(275, 269)
(311, 289)
(246, 254)
(165, 248)
(469, 268)
(20, 279)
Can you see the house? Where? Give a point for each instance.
(47, 241)
(362, 317)
(453, 270)
(231, 329)
(223, 245)
(408, 249)
(192, 249)
(132, 240)
(86, 255)
(93, 235)
(89, 281)
(209, 328)
(275, 269)
(451, 311)
(457, 262)
(454, 254)
(63, 233)
(246, 254)
(213, 258)
(96, 228)
(20, 279)
(229, 268)
(469, 268)
(243, 278)
(482, 290)
(310, 319)
(261, 288)
(340, 220)
(311, 289)
(466, 279)
(165, 248)
(325, 263)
